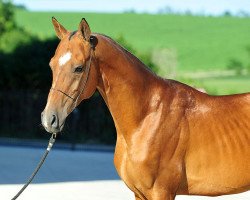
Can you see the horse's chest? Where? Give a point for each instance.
(134, 167)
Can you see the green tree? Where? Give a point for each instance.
(236, 65)
(7, 21)
(11, 36)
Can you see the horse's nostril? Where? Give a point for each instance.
(53, 121)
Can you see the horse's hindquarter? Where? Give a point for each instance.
(218, 154)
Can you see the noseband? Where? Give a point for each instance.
(83, 84)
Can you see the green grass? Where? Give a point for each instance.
(202, 43)
(221, 85)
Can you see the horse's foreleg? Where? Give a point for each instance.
(157, 195)
(162, 194)
(170, 197)
(137, 197)
(164, 197)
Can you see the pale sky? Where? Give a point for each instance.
(214, 7)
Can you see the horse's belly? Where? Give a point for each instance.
(218, 176)
(218, 155)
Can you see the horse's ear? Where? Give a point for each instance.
(84, 29)
(60, 30)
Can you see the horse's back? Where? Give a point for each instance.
(218, 153)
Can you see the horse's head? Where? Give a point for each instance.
(74, 74)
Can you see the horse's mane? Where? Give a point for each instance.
(122, 48)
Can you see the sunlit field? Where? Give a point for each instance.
(200, 43)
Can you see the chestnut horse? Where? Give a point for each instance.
(171, 138)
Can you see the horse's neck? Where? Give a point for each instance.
(125, 85)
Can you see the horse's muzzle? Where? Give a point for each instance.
(51, 122)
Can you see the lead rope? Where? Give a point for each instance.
(53, 137)
(50, 145)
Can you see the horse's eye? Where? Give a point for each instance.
(78, 69)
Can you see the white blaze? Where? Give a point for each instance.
(65, 58)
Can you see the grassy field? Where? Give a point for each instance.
(201, 43)
(222, 85)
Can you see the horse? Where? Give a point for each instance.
(171, 138)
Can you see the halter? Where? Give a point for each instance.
(75, 100)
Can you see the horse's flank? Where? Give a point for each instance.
(157, 121)
(219, 145)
